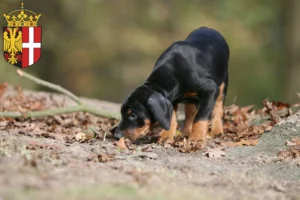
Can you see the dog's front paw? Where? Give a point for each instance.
(198, 140)
(186, 132)
(200, 144)
(166, 137)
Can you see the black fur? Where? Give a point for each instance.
(198, 64)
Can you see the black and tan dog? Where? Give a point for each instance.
(193, 72)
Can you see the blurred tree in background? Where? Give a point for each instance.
(106, 48)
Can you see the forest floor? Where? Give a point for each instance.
(44, 158)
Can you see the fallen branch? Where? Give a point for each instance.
(81, 107)
(52, 86)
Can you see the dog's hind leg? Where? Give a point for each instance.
(218, 112)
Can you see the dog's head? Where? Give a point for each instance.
(141, 110)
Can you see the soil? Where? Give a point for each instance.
(41, 159)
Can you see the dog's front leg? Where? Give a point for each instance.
(167, 136)
(203, 115)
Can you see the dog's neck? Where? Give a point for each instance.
(169, 94)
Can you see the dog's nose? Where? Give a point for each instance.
(118, 134)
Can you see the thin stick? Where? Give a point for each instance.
(50, 85)
(58, 111)
(81, 107)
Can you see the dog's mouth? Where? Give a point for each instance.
(134, 136)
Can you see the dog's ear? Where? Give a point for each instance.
(161, 109)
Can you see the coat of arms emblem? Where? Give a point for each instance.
(22, 37)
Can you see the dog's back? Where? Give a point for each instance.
(204, 37)
(204, 53)
(214, 48)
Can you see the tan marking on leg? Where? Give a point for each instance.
(167, 136)
(134, 134)
(217, 114)
(199, 131)
(190, 112)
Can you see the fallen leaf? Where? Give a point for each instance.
(105, 157)
(268, 128)
(121, 144)
(37, 105)
(214, 153)
(3, 123)
(3, 88)
(248, 142)
(290, 143)
(129, 144)
(243, 142)
(231, 109)
(85, 136)
(284, 154)
(147, 149)
(229, 144)
(293, 152)
(294, 142)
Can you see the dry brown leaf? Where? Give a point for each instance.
(243, 142)
(294, 142)
(229, 144)
(290, 143)
(248, 142)
(293, 152)
(258, 130)
(121, 144)
(231, 109)
(214, 153)
(268, 104)
(147, 149)
(268, 128)
(275, 117)
(284, 154)
(3, 88)
(37, 105)
(3, 123)
(105, 157)
(129, 144)
(85, 136)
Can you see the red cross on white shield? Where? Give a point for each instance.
(31, 45)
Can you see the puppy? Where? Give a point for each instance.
(193, 72)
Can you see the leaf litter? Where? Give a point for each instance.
(243, 126)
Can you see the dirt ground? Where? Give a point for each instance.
(41, 159)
